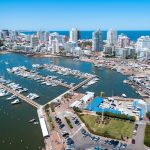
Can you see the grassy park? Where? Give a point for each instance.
(113, 128)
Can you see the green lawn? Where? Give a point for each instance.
(113, 129)
(147, 136)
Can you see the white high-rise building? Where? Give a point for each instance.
(52, 37)
(123, 41)
(74, 35)
(55, 46)
(97, 41)
(143, 42)
(69, 46)
(34, 41)
(46, 36)
(112, 37)
(40, 35)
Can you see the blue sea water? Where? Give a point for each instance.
(133, 35)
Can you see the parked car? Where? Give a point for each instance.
(133, 141)
(61, 126)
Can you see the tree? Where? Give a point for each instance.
(148, 115)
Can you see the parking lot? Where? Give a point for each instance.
(78, 138)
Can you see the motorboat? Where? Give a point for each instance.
(16, 101)
(11, 97)
(32, 120)
(32, 96)
(124, 95)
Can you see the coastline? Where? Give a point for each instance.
(4, 52)
(44, 55)
(127, 72)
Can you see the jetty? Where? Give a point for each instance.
(22, 97)
(71, 90)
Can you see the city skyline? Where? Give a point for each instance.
(63, 15)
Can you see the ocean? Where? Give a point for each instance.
(133, 35)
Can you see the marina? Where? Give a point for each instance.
(51, 80)
(49, 93)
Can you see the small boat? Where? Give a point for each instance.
(32, 96)
(36, 122)
(84, 86)
(125, 81)
(17, 101)
(11, 97)
(124, 95)
(32, 120)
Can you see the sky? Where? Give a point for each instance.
(82, 14)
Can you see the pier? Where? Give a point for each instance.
(54, 81)
(81, 84)
(46, 79)
(22, 97)
(71, 90)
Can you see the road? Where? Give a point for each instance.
(139, 138)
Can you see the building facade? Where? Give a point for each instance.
(97, 41)
(112, 37)
(74, 35)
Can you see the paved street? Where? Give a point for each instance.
(139, 138)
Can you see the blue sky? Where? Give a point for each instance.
(83, 14)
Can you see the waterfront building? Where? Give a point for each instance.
(123, 41)
(143, 53)
(77, 51)
(40, 35)
(55, 46)
(4, 34)
(143, 47)
(74, 35)
(128, 52)
(13, 35)
(112, 37)
(64, 39)
(143, 42)
(34, 41)
(109, 49)
(69, 46)
(52, 37)
(28, 38)
(97, 41)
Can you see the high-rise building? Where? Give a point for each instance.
(143, 42)
(74, 35)
(40, 35)
(69, 46)
(13, 35)
(123, 41)
(112, 37)
(28, 38)
(5, 33)
(46, 36)
(52, 37)
(55, 46)
(34, 41)
(97, 41)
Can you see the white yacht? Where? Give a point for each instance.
(124, 95)
(32, 96)
(17, 101)
(11, 97)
